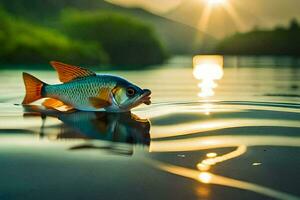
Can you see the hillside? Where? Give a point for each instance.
(278, 41)
(241, 16)
(178, 38)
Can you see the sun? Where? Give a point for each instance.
(216, 2)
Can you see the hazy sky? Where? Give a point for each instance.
(235, 15)
(155, 6)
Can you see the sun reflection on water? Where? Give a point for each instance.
(208, 69)
(204, 176)
(211, 155)
(212, 159)
(203, 170)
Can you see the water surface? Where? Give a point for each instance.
(236, 140)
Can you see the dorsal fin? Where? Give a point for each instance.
(68, 73)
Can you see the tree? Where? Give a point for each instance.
(25, 43)
(127, 41)
(294, 25)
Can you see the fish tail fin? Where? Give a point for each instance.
(33, 87)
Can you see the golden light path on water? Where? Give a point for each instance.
(241, 142)
(208, 69)
(204, 107)
(201, 175)
(198, 127)
(209, 178)
(213, 142)
(213, 159)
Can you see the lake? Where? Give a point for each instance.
(233, 133)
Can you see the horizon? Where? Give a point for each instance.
(222, 19)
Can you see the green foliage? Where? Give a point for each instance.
(24, 43)
(280, 41)
(176, 37)
(127, 41)
(47, 10)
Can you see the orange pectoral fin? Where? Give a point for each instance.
(68, 73)
(57, 105)
(52, 103)
(102, 100)
(98, 103)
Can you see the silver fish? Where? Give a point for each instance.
(85, 90)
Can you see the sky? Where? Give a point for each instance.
(225, 18)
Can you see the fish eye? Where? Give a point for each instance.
(130, 92)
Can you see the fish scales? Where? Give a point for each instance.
(85, 90)
(79, 90)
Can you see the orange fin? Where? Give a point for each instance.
(68, 73)
(52, 103)
(33, 87)
(57, 105)
(98, 103)
(103, 99)
(105, 94)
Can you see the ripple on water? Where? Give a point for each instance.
(212, 143)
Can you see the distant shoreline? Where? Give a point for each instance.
(182, 61)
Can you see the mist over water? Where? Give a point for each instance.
(233, 135)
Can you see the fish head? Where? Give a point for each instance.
(128, 96)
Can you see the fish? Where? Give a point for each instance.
(83, 89)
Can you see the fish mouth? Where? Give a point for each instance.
(145, 98)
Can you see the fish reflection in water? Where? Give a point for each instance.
(114, 128)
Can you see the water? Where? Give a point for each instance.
(236, 140)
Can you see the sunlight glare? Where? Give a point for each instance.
(211, 155)
(208, 68)
(216, 2)
(209, 178)
(205, 177)
(203, 167)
